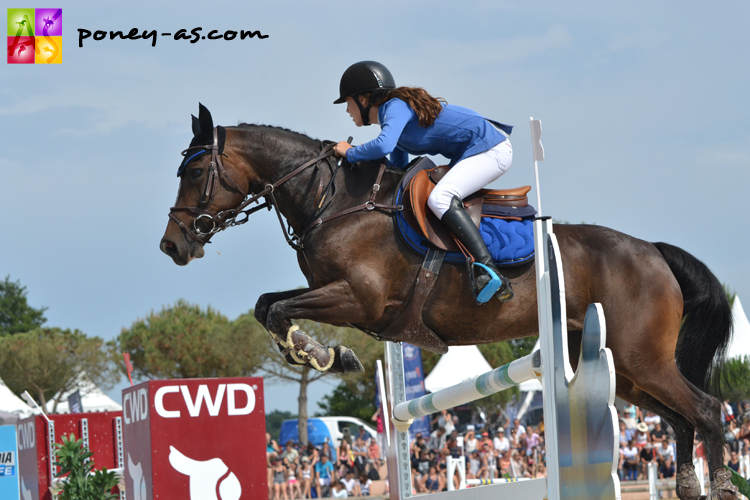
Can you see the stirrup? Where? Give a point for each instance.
(495, 283)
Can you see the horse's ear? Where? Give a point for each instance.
(206, 122)
(196, 127)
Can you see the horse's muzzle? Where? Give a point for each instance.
(181, 254)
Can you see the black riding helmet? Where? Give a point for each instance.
(364, 76)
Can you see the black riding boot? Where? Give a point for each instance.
(463, 228)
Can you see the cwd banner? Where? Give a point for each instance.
(8, 463)
(196, 439)
(414, 381)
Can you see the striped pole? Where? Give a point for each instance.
(499, 379)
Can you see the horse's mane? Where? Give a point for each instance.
(272, 128)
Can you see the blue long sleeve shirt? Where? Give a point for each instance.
(457, 133)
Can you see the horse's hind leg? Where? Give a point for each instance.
(687, 485)
(334, 304)
(703, 412)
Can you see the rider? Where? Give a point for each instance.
(414, 122)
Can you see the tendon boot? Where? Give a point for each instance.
(484, 278)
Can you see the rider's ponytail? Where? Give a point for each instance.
(424, 105)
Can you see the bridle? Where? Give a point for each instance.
(228, 218)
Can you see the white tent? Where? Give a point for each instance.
(92, 398)
(11, 403)
(455, 366)
(740, 345)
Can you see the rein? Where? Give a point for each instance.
(228, 218)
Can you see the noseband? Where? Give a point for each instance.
(228, 218)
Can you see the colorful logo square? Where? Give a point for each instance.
(21, 50)
(34, 36)
(48, 50)
(48, 22)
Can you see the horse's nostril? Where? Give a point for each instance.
(168, 247)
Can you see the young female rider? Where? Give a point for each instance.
(414, 122)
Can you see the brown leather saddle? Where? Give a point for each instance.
(420, 217)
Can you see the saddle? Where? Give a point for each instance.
(478, 205)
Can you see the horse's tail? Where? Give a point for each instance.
(707, 319)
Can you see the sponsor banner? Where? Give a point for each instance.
(8, 463)
(195, 439)
(414, 382)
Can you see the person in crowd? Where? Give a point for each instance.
(373, 454)
(441, 419)
(732, 434)
(631, 416)
(361, 455)
(503, 464)
(338, 490)
(311, 453)
(520, 429)
(667, 471)
(437, 439)
(473, 465)
(345, 458)
(489, 459)
(420, 466)
(323, 476)
(363, 434)
(293, 484)
(500, 441)
(625, 434)
(326, 450)
(734, 462)
(364, 484)
(532, 442)
(417, 445)
(641, 435)
(645, 457)
(727, 412)
(432, 482)
(651, 419)
(470, 442)
(657, 434)
(380, 429)
(350, 483)
(664, 451)
(630, 461)
(451, 447)
(279, 480)
(449, 426)
(621, 462)
(291, 455)
(486, 440)
(306, 477)
(271, 448)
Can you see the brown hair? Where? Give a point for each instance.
(424, 105)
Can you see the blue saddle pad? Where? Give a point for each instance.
(510, 242)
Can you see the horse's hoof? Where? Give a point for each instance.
(687, 485)
(722, 487)
(346, 361)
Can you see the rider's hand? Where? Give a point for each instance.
(341, 148)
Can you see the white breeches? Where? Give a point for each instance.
(470, 175)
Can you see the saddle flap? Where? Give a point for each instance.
(430, 226)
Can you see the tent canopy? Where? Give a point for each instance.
(740, 345)
(11, 403)
(92, 398)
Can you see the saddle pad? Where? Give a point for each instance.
(510, 242)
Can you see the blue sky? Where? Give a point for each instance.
(644, 108)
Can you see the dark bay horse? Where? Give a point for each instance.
(668, 319)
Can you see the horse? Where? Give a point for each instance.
(668, 318)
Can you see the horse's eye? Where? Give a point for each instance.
(196, 173)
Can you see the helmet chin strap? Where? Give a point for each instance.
(364, 111)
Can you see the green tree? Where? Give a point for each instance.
(185, 341)
(735, 379)
(16, 315)
(49, 361)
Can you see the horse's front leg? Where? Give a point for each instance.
(264, 303)
(335, 304)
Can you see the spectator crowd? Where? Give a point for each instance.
(515, 451)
